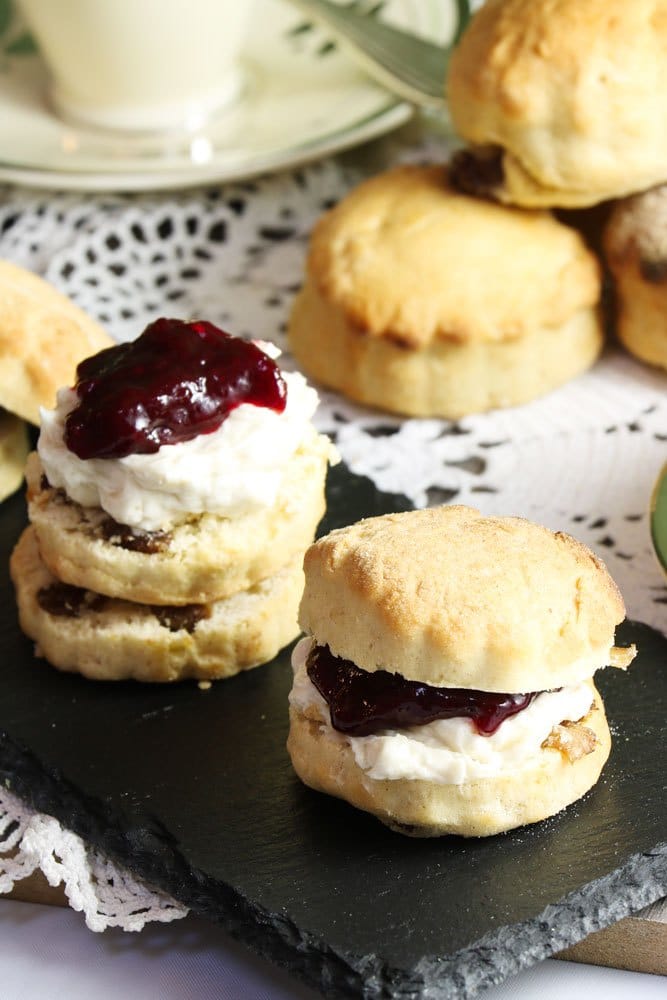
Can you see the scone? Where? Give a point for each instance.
(14, 447)
(203, 558)
(426, 302)
(43, 337)
(446, 681)
(179, 481)
(635, 248)
(104, 638)
(564, 104)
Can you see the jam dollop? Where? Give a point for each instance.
(362, 702)
(175, 381)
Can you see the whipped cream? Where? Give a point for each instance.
(234, 470)
(448, 751)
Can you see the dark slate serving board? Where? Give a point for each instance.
(193, 790)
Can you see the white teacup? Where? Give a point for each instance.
(140, 64)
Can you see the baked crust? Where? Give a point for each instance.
(408, 259)
(204, 559)
(117, 640)
(574, 93)
(426, 302)
(43, 337)
(635, 247)
(455, 599)
(446, 378)
(546, 784)
(14, 447)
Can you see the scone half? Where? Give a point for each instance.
(527, 791)
(449, 597)
(445, 379)
(104, 638)
(205, 558)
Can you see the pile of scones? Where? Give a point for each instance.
(432, 290)
(128, 571)
(454, 289)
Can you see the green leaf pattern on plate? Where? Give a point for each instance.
(15, 40)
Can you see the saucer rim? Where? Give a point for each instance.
(39, 161)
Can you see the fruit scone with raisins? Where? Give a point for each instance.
(171, 497)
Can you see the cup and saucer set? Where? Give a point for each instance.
(292, 94)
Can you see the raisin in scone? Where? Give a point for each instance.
(423, 301)
(104, 638)
(446, 683)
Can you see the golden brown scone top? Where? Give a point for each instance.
(574, 91)
(43, 337)
(407, 258)
(455, 599)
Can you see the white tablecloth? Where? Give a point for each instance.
(47, 952)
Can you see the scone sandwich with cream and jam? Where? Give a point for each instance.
(446, 680)
(172, 495)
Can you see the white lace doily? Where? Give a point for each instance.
(583, 459)
(107, 895)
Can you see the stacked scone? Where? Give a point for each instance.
(444, 291)
(171, 497)
(424, 301)
(446, 680)
(43, 336)
(564, 105)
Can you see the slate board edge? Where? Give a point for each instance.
(151, 853)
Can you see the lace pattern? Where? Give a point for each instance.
(106, 895)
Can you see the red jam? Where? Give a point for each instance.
(174, 382)
(363, 702)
